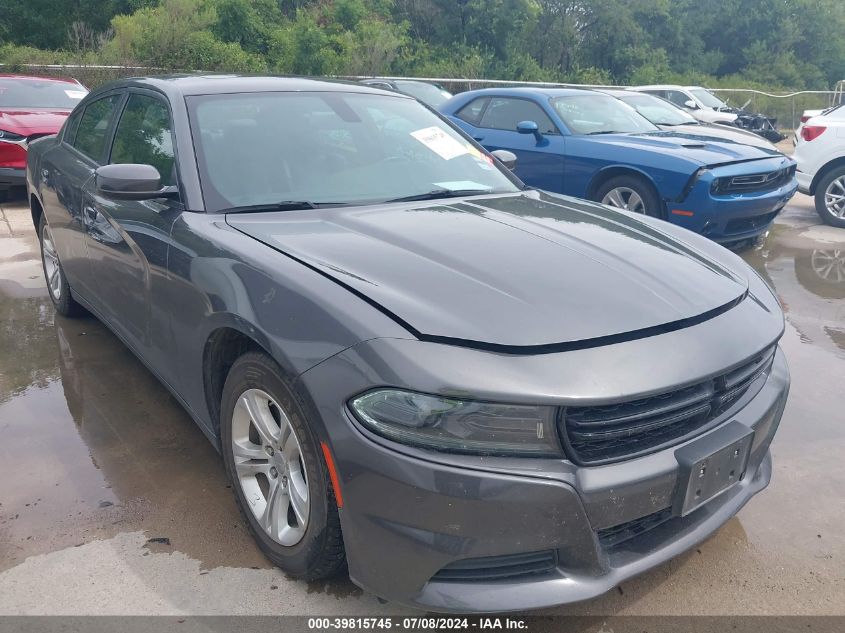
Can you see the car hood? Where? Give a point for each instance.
(724, 134)
(28, 122)
(507, 271)
(700, 149)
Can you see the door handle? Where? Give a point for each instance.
(478, 138)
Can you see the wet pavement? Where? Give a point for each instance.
(113, 502)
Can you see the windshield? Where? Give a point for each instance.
(40, 93)
(707, 98)
(427, 93)
(657, 110)
(599, 114)
(330, 148)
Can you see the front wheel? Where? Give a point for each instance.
(630, 193)
(278, 474)
(830, 198)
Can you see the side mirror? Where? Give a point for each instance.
(131, 182)
(529, 127)
(508, 159)
(692, 105)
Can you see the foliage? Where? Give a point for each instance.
(786, 43)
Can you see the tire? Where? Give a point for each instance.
(254, 389)
(54, 275)
(833, 184)
(632, 193)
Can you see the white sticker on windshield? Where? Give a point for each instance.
(76, 94)
(440, 143)
(462, 185)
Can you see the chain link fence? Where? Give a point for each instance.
(787, 107)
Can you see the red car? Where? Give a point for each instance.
(30, 107)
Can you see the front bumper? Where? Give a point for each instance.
(12, 177)
(409, 513)
(732, 217)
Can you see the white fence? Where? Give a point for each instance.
(786, 107)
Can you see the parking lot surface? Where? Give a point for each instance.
(113, 502)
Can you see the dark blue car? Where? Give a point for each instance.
(589, 145)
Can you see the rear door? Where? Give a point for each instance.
(493, 121)
(65, 170)
(128, 239)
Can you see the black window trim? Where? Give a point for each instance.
(557, 131)
(154, 94)
(98, 162)
(486, 99)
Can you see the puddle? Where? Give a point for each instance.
(92, 445)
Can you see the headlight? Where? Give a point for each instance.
(459, 426)
(9, 136)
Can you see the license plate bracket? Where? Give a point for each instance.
(711, 465)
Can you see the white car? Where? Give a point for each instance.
(698, 101)
(820, 155)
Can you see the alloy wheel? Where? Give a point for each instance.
(52, 270)
(834, 197)
(624, 198)
(269, 466)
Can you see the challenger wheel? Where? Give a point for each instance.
(630, 193)
(57, 286)
(278, 472)
(830, 197)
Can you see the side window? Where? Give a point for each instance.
(144, 136)
(90, 137)
(71, 126)
(505, 113)
(677, 97)
(471, 112)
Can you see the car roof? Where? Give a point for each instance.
(668, 87)
(616, 92)
(531, 91)
(207, 84)
(67, 80)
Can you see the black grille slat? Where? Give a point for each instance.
(754, 182)
(613, 536)
(655, 424)
(498, 567)
(598, 415)
(605, 433)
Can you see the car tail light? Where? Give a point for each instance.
(805, 118)
(810, 132)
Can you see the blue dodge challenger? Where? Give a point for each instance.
(589, 145)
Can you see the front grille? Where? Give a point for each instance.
(741, 225)
(753, 182)
(498, 567)
(613, 536)
(605, 433)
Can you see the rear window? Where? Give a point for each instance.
(38, 93)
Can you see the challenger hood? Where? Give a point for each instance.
(699, 148)
(28, 122)
(507, 271)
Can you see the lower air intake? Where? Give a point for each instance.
(498, 567)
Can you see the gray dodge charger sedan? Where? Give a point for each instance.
(475, 395)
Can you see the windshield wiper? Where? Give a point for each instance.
(284, 205)
(437, 194)
(604, 132)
